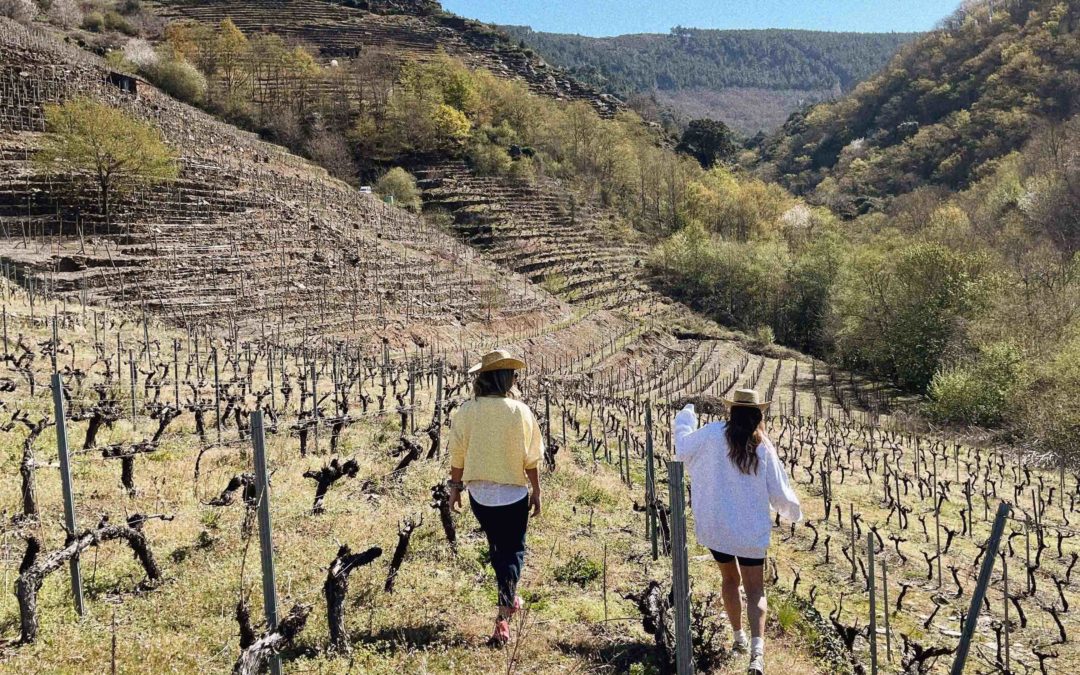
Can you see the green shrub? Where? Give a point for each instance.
(1049, 409)
(116, 60)
(93, 22)
(763, 335)
(979, 391)
(578, 570)
(489, 159)
(113, 21)
(179, 78)
(554, 283)
(593, 495)
(401, 185)
(522, 169)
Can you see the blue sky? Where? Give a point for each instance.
(616, 17)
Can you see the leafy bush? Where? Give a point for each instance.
(979, 391)
(489, 159)
(904, 309)
(451, 125)
(93, 22)
(118, 62)
(401, 185)
(177, 77)
(578, 570)
(554, 283)
(522, 169)
(1048, 412)
(114, 21)
(731, 281)
(763, 335)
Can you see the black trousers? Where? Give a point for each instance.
(505, 528)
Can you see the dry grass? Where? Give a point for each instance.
(438, 618)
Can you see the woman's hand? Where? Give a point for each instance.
(533, 475)
(455, 500)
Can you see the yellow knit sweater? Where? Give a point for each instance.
(495, 439)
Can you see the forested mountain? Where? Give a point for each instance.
(947, 106)
(691, 69)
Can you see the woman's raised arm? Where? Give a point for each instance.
(689, 439)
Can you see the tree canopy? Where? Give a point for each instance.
(752, 79)
(101, 143)
(707, 141)
(943, 110)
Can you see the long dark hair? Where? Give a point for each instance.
(743, 431)
(497, 383)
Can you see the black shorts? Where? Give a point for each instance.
(743, 562)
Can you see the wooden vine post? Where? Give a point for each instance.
(680, 573)
(439, 404)
(65, 482)
(650, 483)
(266, 544)
(872, 585)
(1005, 604)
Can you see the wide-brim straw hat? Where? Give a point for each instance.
(500, 359)
(747, 398)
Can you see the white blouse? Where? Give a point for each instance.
(487, 493)
(731, 509)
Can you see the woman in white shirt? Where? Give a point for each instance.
(736, 476)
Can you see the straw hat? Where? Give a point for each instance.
(499, 359)
(746, 398)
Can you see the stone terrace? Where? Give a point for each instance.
(337, 30)
(248, 234)
(538, 230)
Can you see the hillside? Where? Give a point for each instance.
(243, 238)
(556, 226)
(942, 111)
(256, 261)
(406, 30)
(750, 79)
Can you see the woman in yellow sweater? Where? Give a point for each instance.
(495, 447)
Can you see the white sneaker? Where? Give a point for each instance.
(740, 646)
(757, 665)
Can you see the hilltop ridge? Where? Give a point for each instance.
(750, 79)
(943, 110)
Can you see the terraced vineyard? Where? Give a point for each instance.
(340, 31)
(285, 241)
(537, 230)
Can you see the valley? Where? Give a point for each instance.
(278, 305)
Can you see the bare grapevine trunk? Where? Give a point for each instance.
(35, 568)
(336, 588)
